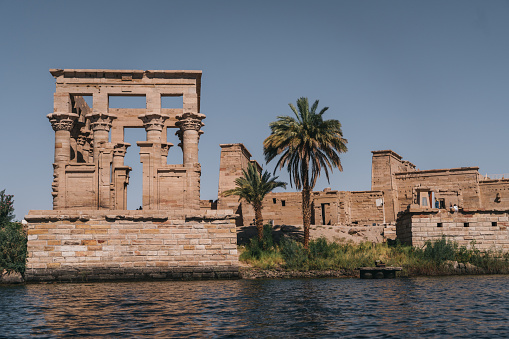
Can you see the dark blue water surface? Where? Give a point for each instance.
(473, 306)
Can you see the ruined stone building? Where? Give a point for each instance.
(416, 201)
(90, 233)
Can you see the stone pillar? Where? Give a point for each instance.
(153, 123)
(100, 124)
(120, 176)
(190, 124)
(165, 147)
(119, 151)
(62, 124)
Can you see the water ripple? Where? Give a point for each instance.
(475, 306)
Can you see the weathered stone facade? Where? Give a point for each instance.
(130, 245)
(89, 171)
(488, 230)
(90, 234)
(400, 195)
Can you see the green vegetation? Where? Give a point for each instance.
(436, 258)
(253, 187)
(13, 239)
(305, 144)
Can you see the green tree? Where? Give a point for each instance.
(13, 239)
(253, 187)
(306, 144)
(6, 208)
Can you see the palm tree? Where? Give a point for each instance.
(253, 187)
(306, 144)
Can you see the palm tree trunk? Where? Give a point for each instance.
(259, 220)
(306, 213)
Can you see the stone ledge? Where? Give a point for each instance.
(131, 215)
(142, 273)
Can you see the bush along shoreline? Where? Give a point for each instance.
(288, 258)
(13, 243)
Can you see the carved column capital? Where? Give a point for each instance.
(120, 149)
(165, 147)
(100, 121)
(62, 121)
(190, 121)
(153, 121)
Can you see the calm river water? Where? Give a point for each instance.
(473, 306)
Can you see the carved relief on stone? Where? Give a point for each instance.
(153, 121)
(190, 121)
(62, 121)
(120, 149)
(101, 121)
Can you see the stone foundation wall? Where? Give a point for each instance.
(130, 245)
(489, 229)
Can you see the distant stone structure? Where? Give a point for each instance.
(90, 234)
(415, 205)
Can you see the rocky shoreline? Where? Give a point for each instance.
(251, 273)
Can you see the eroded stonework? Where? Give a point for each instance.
(89, 171)
(90, 234)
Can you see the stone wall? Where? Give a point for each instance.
(363, 208)
(494, 194)
(130, 245)
(487, 228)
(456, 185)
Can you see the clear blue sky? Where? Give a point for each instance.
(427, 79)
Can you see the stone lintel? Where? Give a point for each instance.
(122, 73)
(444, 171)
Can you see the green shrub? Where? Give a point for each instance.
(13, 247)
(440, 250)
(294, 254)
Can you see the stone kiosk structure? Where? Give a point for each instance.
(90, 234)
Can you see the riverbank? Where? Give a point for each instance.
(285, 257)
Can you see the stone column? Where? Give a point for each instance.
(190, 124)
(119, 151)
(62, 123)
(100, 123)
(120, 176)
(165, 147)
(153, 123)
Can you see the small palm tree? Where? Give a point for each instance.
(306, 144)
(253, 187)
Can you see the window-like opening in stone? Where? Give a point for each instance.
(424, 201)
(89, 100)
(466, 224)
(127, 101)
(172, 101)
(175, 152)
(439, 224)
(442, 203)
(274, 200)
(493, 223)
(132, 159)
(283, 203)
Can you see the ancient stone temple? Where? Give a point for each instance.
(89, 171)
(90, 234)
